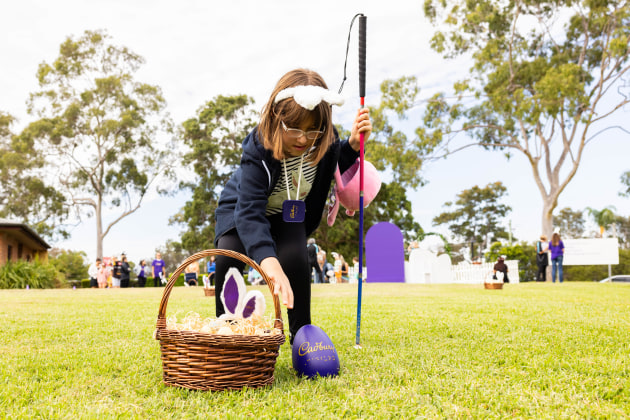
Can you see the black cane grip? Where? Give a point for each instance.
(362, 39)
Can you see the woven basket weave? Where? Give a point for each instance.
(200, 361)
(493, 286)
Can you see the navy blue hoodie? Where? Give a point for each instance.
(243, 201)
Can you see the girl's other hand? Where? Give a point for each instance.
(281, 285)
(362, 124)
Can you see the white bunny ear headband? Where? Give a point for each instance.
(309, 97)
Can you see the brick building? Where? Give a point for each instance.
(20, 242)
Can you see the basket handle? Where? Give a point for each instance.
(226, 253)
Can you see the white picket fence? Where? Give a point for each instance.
(466, 273)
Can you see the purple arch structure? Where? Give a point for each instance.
(385, 254)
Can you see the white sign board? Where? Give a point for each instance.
(590, 251)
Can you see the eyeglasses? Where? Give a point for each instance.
(296, 133)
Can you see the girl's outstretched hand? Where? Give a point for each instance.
(281, 285)
(362, 124)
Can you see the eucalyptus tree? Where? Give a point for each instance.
(476, 214)
(213, 139)
(625, 180)
(25, 195)
(570, 222)
(103, 134)
(546, 78)
(622, 227)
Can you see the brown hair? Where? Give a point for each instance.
(555, 239)
(287, 110)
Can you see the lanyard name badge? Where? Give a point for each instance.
(293, 211)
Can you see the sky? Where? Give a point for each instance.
(196, 50)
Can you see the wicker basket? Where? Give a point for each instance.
(204, 362)
(493, 286)
(208, 291)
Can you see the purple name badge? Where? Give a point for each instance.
(293, 211)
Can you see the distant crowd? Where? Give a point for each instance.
(325, 272)
(116, 271)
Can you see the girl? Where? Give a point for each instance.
(102, 275)
(338, 267)
(276, 198)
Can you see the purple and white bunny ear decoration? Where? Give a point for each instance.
(254, 304)
(309, 97)
(239, 303)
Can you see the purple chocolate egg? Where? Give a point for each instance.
(314, 353)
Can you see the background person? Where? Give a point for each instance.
(502, 267)
(328, 270)
(344, 269)
(337, 267)
(542, 259)
(141, 272)
(312, 250)
(355, 270)
(268, 218)
(158, 269)
(191, 276)
(254, 278)
(116, 272)
(125, 271)
(102, 275)
(211, 268)
(93, 273)
(412, 245)
(556, 246)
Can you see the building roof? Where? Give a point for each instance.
(23, 231)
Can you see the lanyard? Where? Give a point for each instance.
(286, 178)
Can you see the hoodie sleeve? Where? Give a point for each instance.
(347, 156)
(252, 226)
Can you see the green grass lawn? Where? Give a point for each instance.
(429, 351)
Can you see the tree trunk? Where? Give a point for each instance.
(99, 229)
(549, 204)
(547, 217)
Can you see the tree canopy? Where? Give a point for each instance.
(570, 222)
(625, 180)
(103, 134)
(476, 214)
(543, 83)
(213, 138)
(25, 194)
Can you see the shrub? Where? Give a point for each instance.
(69, 263)
(19, 274)
(523, 252)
